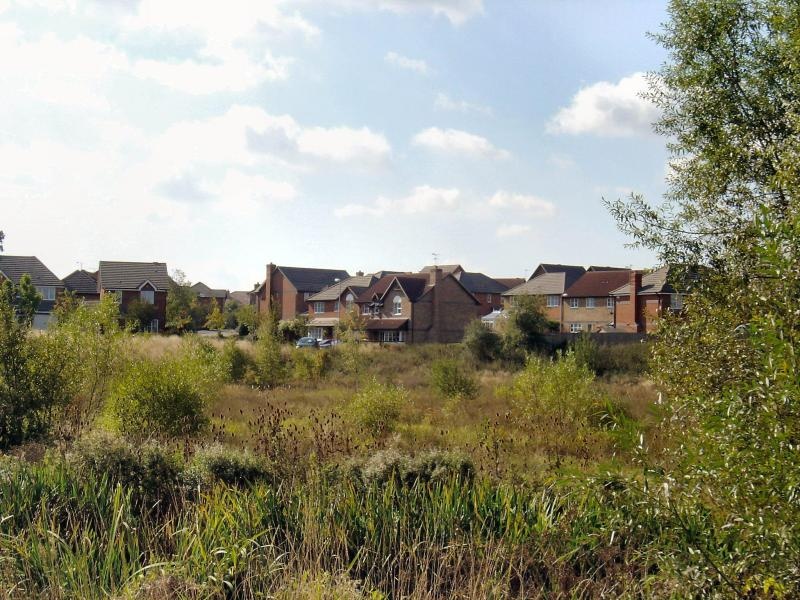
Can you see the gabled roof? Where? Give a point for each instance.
(445, 268)
(81, 282)
(478, 283)
(14, 267)
(115, 275)
(548, 283)
(356, 285)
(413, 285)
(309, 280)
(574, 271)
(597, 283)
(240, 296)
(203, 291)
(510, 282)
(655, 282)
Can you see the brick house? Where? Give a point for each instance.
(287, 289)
(129, 281)
(548, 282)
(206, 296)
(415, 308)
(588, 304)
(485, 289)
(654, 295)
(325, 308)
(47, 284)
(83, 284)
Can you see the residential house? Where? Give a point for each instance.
(548, 282)
(142, 281)
(207, 296)
(423, 307)
(588, 304)
(47, 284)
(486, 290)
(242, 297)
(83, 284)
(326, 308)
(654, 295)
(286, 289)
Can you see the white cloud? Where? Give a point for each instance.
(444, 102)
(512, 230)
(409, 64)
(344, 144)
(458, 142)
(608, 109)
(422, 199)
(244, 194)
(537, 207)
(456, 11)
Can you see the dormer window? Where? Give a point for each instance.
(397, 305)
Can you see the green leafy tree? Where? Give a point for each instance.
(524, 328)
(730, 101)
(139, 315)
(181, 300)
(271, 369)
(28, 299)
(2, 237)
(483, 344)
(247, 316)
(230, 310)
(215, 319)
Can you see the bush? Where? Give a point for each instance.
(270, 367)
(483, 344)
(430, 466)
(150, 471)
(376, 408)
(231, 467)
(602, 359)
(235, 361)
(451, 381)
(310, 364)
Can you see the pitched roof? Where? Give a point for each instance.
(117, 275)
(356, 284)
(478, 283)
(597, 283)
(575, 271)
(548, 283)
(240, 296)
(444, 268)
(596, 268)
(655, 282)
(510, 282)
(81, 282)
(203, 291)
(413, 285)
(312, 280)
(14, 267)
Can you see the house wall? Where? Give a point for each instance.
(487, 305)
(456, 310)
(598, 317)
(160, 304)
(553, 313)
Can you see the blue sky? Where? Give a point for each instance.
(356, 134)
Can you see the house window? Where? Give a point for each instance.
(307, 295)
(488, 298)
(154, 326)
(590, 303)
(553, 301)
(48, 292)
(397, 305)
(316, 332)
(366, 310)
(336, 306)
(393, 336)
(574, 302)
(676, 301)
(349, 299)
(319, 307)
(610, 302)
(147, 296)
(575, 327)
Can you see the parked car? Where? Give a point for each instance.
(325, 343)
(307, 342)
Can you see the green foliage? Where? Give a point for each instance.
(35, 378)
(293, 329)
(247, 316)
(450, 380)
(483, 344)
(168, 397)
(28, 299)
(182, 307)
(271, 369)
(431, 466)
(524, 328)
(309, 364)
(235, 360)
(215, 318)
(216, 463)
(376, 407)
(604, 359)
(139, 315)
(229, 314)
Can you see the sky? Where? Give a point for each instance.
(354, 134)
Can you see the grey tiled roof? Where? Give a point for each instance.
(115, 275)
(478, 283)
(656, 282)
(357, 284)
(81, 282)
(546, 284)
(312, 280)
(15, 267)
(572, 271)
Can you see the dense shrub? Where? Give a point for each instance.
(602, 359)
(376, 408)
(231, 467)
(270, 368)
(430, 466)
(235, 361)
(450, 380)
(309, 364)
(483, 344)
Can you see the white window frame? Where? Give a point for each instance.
(47, 292)
(317, 306)
(610, 302)
(574, 302)
(348, 301)
(366, 310)
(392, 336)
(397, 306)
(553, 301)
(676, 301)
(590, 303)
(147, 296)
(489, 298)
(575, 327)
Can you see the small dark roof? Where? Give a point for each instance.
(510, 282)
(81, 282)
(413, 285)
(312, 280)
(573, 271)
(596, 268)
(597, 283)
(14, 267)
(203, 291)
(478, 283)
(115, 275)
(381, 324)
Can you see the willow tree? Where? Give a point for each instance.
(729, 96)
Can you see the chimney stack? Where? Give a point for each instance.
(268, 289)
(359, 273)
(635, 285)
(436, 331)
(435, 276)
